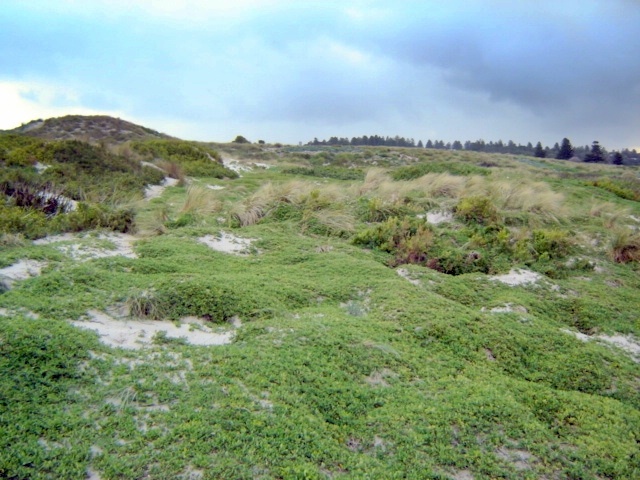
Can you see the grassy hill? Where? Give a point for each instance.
(88, 128)
(327, 313)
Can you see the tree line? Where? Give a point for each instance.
(594, 153)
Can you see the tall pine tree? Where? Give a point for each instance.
(596, 155)
(566, 150)
(539, 151)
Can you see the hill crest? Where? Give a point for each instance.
(90, 128)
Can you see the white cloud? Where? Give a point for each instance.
(22, 102)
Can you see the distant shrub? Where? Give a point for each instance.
(240, 139)
(339, 173)
(412, 172)
(476, 209)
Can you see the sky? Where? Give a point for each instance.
(288, 71)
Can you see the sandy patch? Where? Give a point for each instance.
(520, 459)
(21, 270)
(152, 165)
(122, 245)
(93, 474)
(517, 277)
(627, 343)
(136, 334)
(227, 243)
(5, 312)
(463, 475)
(154, 191)
(262, 165)
(215, 187)
(41, 167)
(235, 165)
(437, 216)
(379, 378)
(507, 308)
(404, 273)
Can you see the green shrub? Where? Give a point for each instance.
(28, 222)
(339, 173)
(418, 170)
(374, 209)
(628, 190)
(195, 159)
(197, 297)
(477, 210)
(88, 216)
(408, 239)
(551, 244)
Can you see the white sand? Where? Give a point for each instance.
(136, 334)
(227, 243)
(21, 270)
(518, 277)
(627, 343)
(404, 273)
(438, 216)
(122, 243)
(154, 191)
(507, 308)
(235, 165)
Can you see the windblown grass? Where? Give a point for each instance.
(625, 246)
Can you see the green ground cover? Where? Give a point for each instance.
(369, 340)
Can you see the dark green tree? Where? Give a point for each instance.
(596, 155)
(566, 150)
(539, 151)
(617, 158)
(240, 139)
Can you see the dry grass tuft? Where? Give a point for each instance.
(200, 201)
(625, 246)
(334, 222)
(173, 170)
(154, 223)
(440, 185)
(609, 213)
(305, 196)
(373, 180)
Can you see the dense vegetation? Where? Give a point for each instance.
(374, 336)
(594, 153)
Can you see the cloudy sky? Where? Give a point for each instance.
(288, 71)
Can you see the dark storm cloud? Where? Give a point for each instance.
(553, 68)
